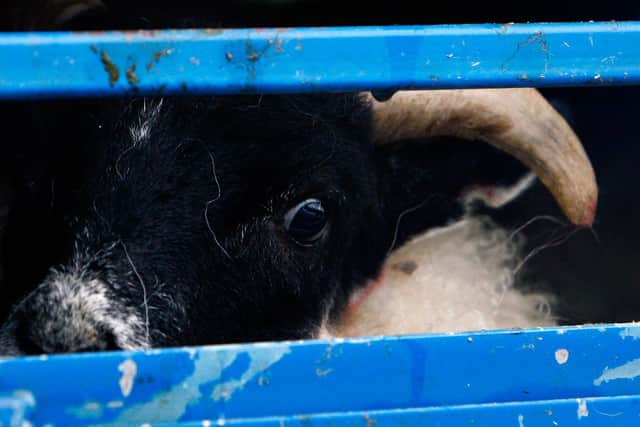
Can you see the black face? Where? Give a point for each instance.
(198, 221)
(201, 220)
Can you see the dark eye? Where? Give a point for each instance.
(306, 222)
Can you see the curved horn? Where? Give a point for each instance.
(518, 121)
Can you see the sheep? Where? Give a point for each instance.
(201, 219)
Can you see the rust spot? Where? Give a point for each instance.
(149, 66)
(229, 56)
(370, 421)
(110, 68)
(407, 267)
(252, 54)
(212, 31)
(131, 75)
(278, 47)
(159, 54)
(94, 48)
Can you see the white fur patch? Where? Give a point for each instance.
(149, 114)
(455, 278)
(81, 305)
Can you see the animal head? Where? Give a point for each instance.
(191, 220)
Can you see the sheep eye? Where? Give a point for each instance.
(306, 222)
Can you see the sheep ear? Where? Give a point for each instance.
(430, 183)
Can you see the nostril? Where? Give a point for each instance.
(107, 343)
(25, 341)
(32, 337)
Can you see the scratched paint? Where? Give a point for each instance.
(628, 371)
(171, 405)
(633, 333)
(259, 361)
(444, 56)
(583, 411)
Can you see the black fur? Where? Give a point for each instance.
(184, 228)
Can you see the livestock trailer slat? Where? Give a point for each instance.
(293, 378)
(623, 411)
(549, 376)
(295, 59)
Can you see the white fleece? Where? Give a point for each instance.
(454, 278)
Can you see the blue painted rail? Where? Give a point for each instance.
(587, 376)
(554, 376)
(318, 59)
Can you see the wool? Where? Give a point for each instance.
(461, 277)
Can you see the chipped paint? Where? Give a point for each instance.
(520, 420)
(129, 370)
(131, 75)
(115, 404)
(19, 409)
(628, 371)
(583, 411)
(323, 372)
(170, 406)
(90, 410)
(370, 422)
(633, 333)
(562, 356)
(259, 362)
(111, 69)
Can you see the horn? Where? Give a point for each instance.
(518, 121)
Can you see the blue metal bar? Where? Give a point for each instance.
(319, 377)
(318, 59)
(623, 411)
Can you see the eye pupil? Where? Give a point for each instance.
(307, 221)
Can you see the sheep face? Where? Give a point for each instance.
(194, 221)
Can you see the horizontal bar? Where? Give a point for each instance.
(620, 411)
(318, 59)
(305, 377)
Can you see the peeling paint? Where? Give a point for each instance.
(562, 356)
(170, 406)
(19, 410)
(633, 333)
(131, 75)
(259, 361)
(323, 372)
(129, 370)
(90, 410)
(111, 69)
(628, 371)
(583, 411)
(369, 421)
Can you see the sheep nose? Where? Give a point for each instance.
(61, 317)
(47, 332)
